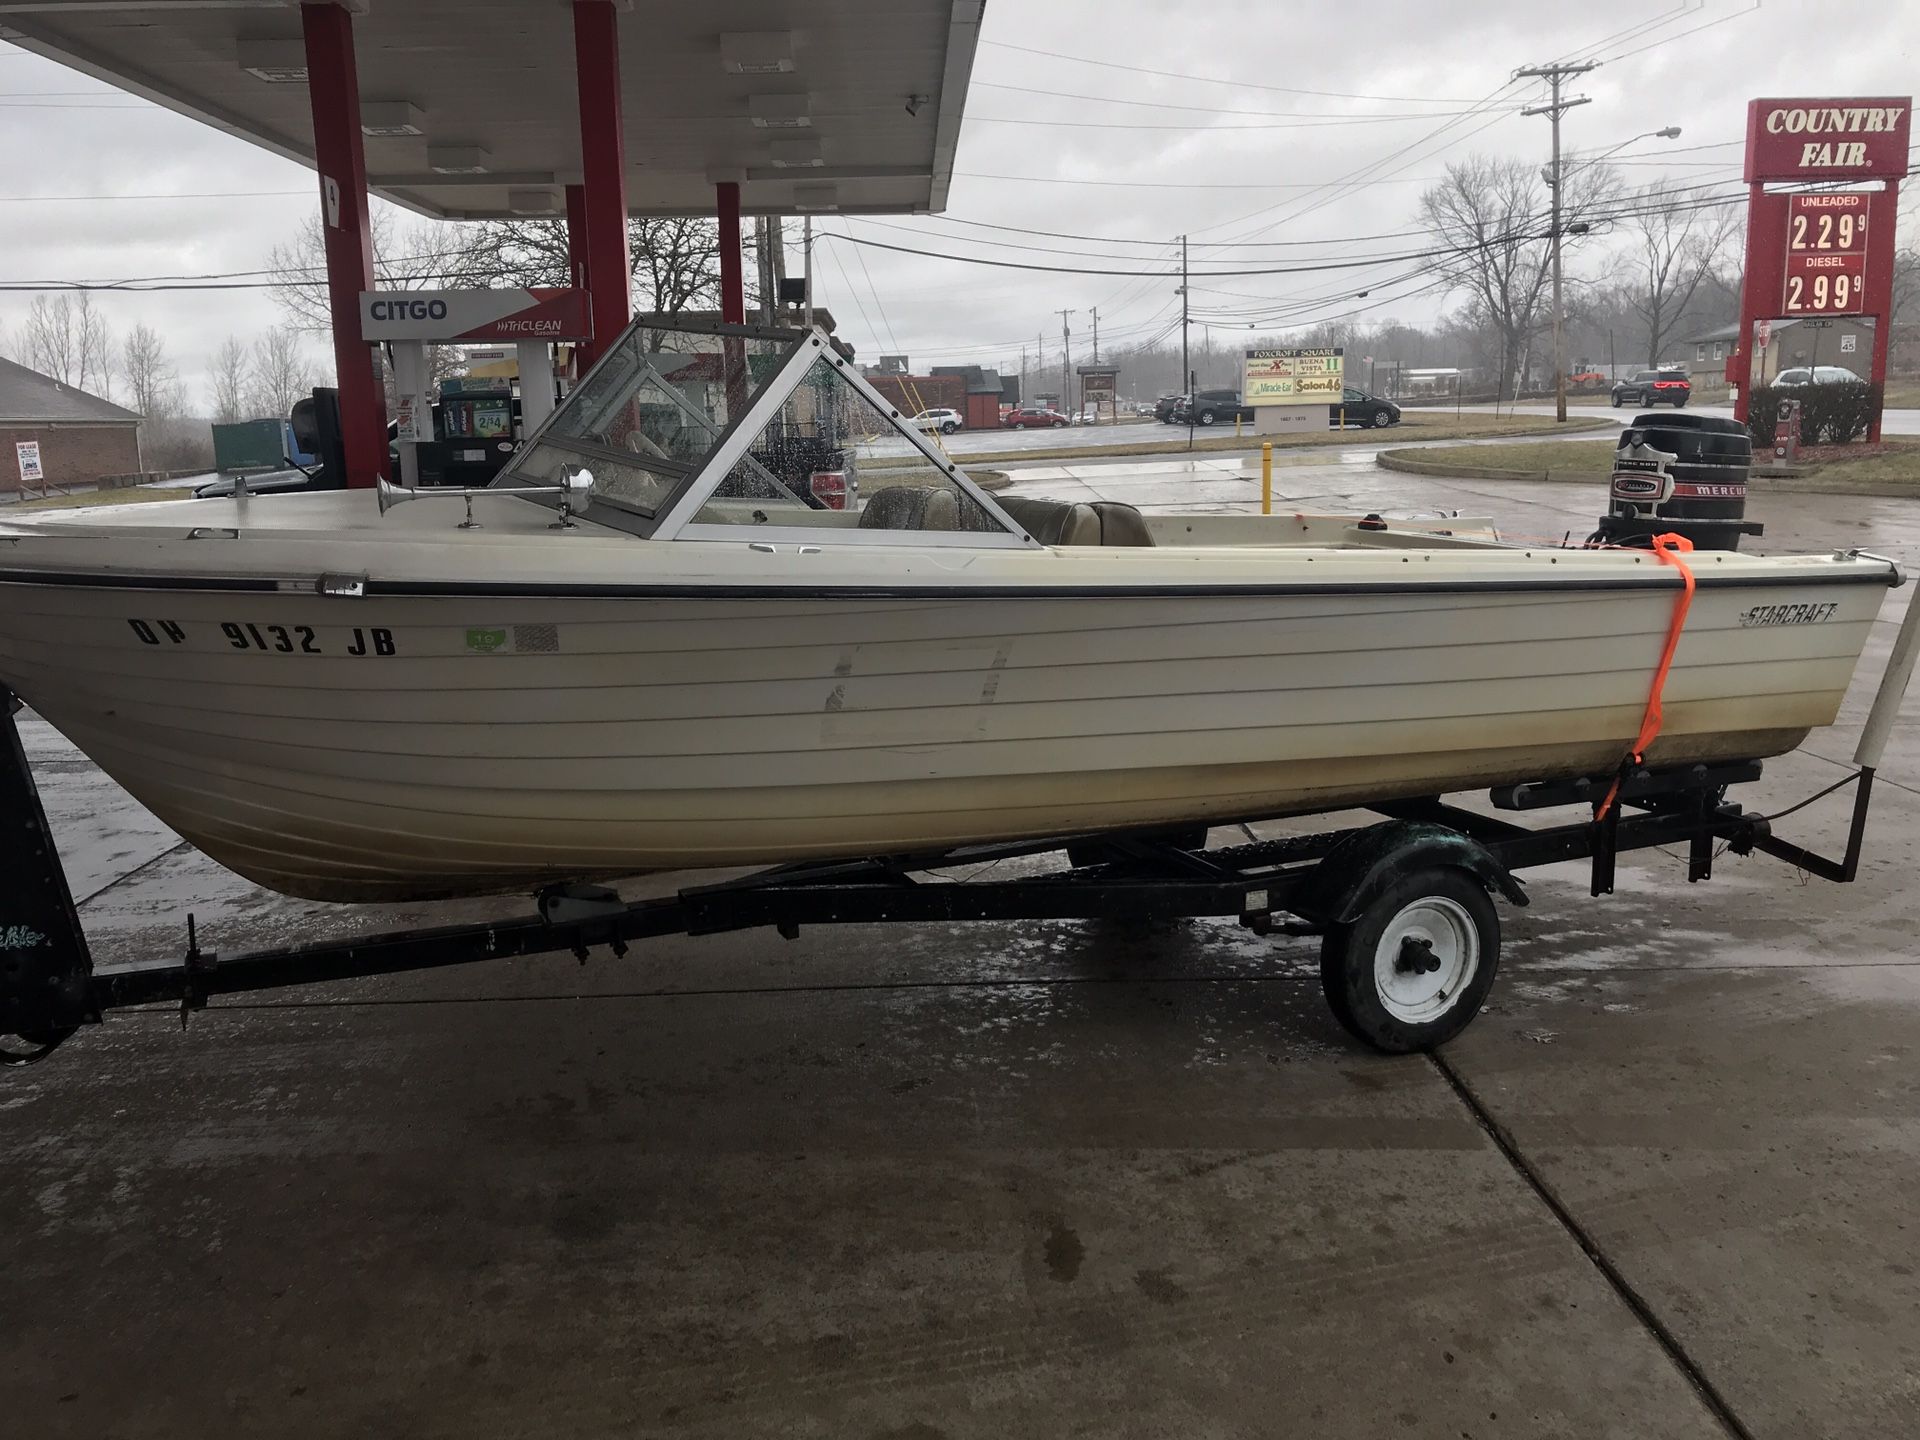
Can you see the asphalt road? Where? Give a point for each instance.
(942, 1182)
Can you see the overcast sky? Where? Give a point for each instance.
(1305, 177)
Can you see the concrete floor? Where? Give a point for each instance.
(991, 1181)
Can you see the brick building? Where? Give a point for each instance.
(914, 393)
(81, 436)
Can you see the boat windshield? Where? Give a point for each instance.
(650, 414)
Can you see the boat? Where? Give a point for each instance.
(729, 607)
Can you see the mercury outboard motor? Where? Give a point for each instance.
(1680, 474)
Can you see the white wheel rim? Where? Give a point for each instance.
(1434, 927)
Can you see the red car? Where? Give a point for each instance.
(1022, 416)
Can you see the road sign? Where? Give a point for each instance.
(1295, 377)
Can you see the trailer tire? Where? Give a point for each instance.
(1414, 967)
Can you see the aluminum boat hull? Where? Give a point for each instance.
(502, 708)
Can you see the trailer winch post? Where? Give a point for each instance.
(1893, 689)
(1866, 756)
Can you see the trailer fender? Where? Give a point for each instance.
(1362, 866)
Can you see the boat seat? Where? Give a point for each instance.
(1066, 522)
(898, 507)
(1121, 524)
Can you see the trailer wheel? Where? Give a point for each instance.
(1416, 965)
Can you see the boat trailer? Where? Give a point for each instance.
(1409, 935)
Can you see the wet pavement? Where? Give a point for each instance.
(1002, 1180)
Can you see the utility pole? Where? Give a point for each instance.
(806, 266)
(1096, 334)
(1555, 76)
(1066, 360)
(1186, 374)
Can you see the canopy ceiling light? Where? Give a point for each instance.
(532, 202)
(816, 197)
(781, 112)
(801, 154)
(758, 52)
(278, 62)
(458, 160)
(387, 119)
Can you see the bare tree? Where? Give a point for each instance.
(153, 384)
(1676, 244)
(1490, 219)
(49, 338)
(282, 373)
(419, 256)
(675, 262)
(67, 337)
(230, 366)
(94, 346)
(1906, 290)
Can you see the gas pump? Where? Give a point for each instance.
(476, 425)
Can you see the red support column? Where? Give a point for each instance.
(577, 238)
(603, 155)
(1881, 258)
(733, 293)
(577, 272)
(333, 86)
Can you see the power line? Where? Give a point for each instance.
(1157, 184)
(1212, 79)
(1159, 104)
(1209, 129)
(183, 195)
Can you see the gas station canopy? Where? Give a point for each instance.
(469, 107)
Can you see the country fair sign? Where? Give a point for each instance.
(459, 315)
(1294, 377)
(1856, 139)
(1823, 203)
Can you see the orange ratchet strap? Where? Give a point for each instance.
(1669, 548)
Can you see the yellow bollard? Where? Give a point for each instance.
(1236, 424)
(1266, 478)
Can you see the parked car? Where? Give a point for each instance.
(1163, 408)
(1364, 409)
(1816, 375)
(1209, 407)
(944, 420)
(1648, 388)
(1038, 416)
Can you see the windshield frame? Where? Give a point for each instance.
(672, 517)
(632, 516)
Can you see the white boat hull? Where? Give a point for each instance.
(484, 742)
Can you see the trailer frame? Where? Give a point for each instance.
(1326, 884)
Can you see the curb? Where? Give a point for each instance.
(1781, 481)
(1409, 463)
(1149, 450)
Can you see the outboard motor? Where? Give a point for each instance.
(1680, 474)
